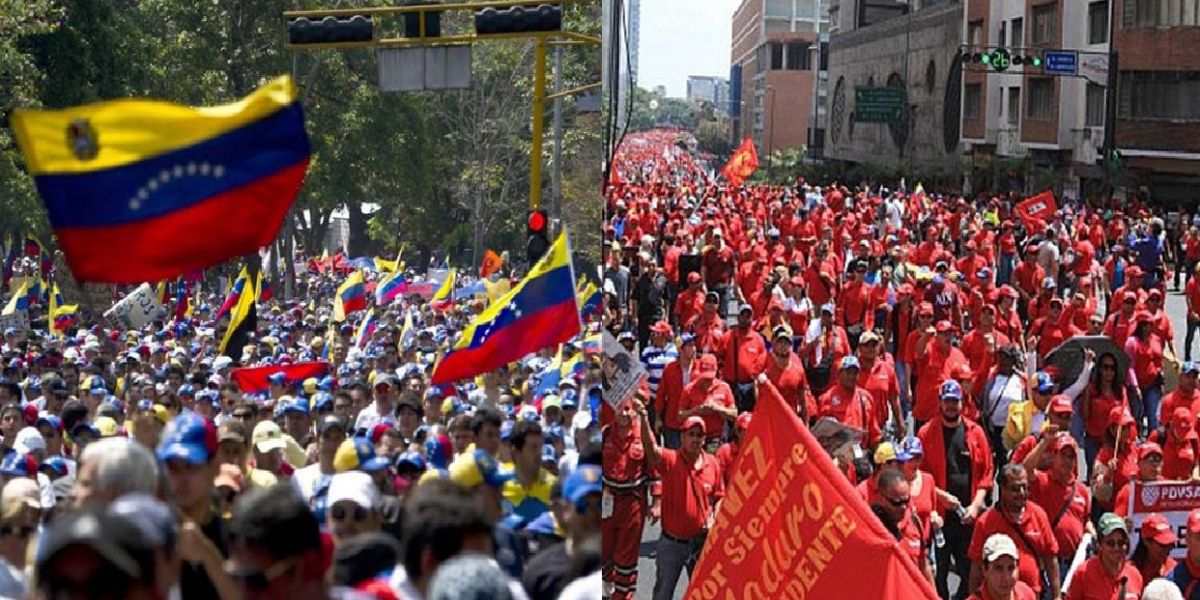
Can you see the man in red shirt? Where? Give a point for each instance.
(1027, 524)
(1066, 500)
(692, 486)
(728, 452)
(1108, 574)
(718, 264)
(1186, 395)
(709, 325)
(1000, 558)
(914, 534)
(958, 457)
(848, 403)
(744, 356)
(668, 400)
(690, 301)
(1048, 332)
(1028, 275)
(785, 370)
(710, 399)
(936, 360)
(627, 476)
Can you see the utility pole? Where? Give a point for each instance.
(1110, 105)
(557, 180)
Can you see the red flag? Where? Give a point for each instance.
(742, 164)
(491, 263)
(1037, 208)
(254, 379)
(792, 526)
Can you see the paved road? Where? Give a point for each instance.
(1176, 309)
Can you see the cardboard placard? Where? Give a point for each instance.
(138, 308)
(623, 372)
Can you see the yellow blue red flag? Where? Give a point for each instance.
(176, 188)
(540, 311)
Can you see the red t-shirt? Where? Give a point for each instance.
(1052, 496)
(1034, 541)
(689, 493)
(1020, 592)
(718, 393)
(1093, 582)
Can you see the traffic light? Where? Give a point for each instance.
(330, 30)
(1000, 59)
(538, 229)
(518, 19)
(412, 21)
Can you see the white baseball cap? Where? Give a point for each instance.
(267, 437)
(355, 486)
(998, 545)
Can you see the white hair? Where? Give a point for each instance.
(123, 466)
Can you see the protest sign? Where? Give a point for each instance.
(1171, 499)
(791, 526)
(623, 372)
(138, 308)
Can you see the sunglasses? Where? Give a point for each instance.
(339, 513)
(899, 502)
(243, 416)
(260, 580)
(1116, 543)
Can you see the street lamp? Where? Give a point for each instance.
(770, 132)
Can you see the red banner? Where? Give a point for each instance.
(254, 379)
(1037, 208)
(742, 164)
(791, 526)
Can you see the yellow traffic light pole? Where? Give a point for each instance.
(542, 39)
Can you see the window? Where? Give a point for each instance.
(1161, 13)
(797, 57)
(1098, 22)
(1014, 105)
(1160, 95)
(971, 101)
(1148, 14)
(776, 51)
(1045, 25)
(824, 60)
(1095, 106)
(975, 33)
(1040, 104)
(1000, 39)
(1018, 32)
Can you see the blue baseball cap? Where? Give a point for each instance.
(358, 453)
(206, 396)
(297, 405)
(570, 399)
(51, 420)
(84, 427)
(1043, 383)
(439, 451)
(850, 362)
(322, 400)
(186, 390)
(687, 338)
(1191, 367)
(950, 390)
(57, 464)
(584, 480)
(506, 430)
(912, 447)
(277, 378)
(554, 432)
(548, 453)
(188, 437)
(411, 458)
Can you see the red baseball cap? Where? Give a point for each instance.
(693, 277)
(1063, 441)
(662, 327)
(1193, 522)
(693, 421)
(708, 366)
(1060, 404)
(1157, 529)
(1148, 449)
(925, 308)
(1119, 415)
(943, 327)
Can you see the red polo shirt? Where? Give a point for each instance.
(1052, 496)
(718, 393)
(1093, 582)
(689, 493)
(1032, 534)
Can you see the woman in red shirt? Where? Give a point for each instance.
(1103, 394)
(1117, 461)
(1145, 350)
(1181, 446)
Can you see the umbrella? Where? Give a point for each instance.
(1068, 356)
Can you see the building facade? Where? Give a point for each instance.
(706, 88)
(873, 44)
(777, 75)
(634, 14)
(1158, 99)
(1025, 128)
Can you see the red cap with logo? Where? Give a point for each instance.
(1157, 529)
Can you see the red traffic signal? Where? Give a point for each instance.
(538, 221)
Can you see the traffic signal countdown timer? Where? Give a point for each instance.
(1000, 59)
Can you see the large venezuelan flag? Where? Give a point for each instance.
(541, 311)
(144, 190)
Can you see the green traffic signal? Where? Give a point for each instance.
(1037, 61)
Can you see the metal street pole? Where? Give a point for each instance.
(539, 110)
(816, 59)
(1110, 107)
(904, 82)
(557, 184)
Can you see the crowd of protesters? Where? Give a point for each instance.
(134, 466)
(925, 325)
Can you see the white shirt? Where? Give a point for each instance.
(1003, 391)
(305, 481)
